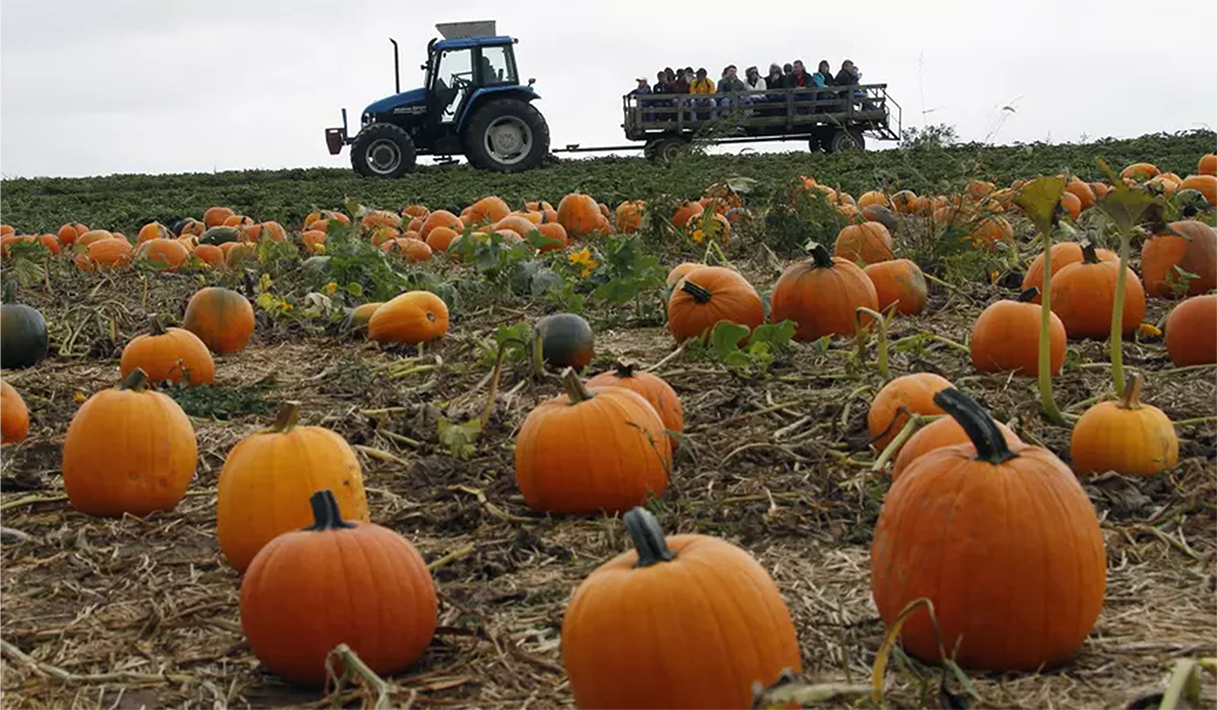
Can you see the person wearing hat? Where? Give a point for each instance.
(643, 89)
(703, 85)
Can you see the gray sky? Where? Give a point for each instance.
(150, 86)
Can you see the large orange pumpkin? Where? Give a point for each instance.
(1063, 254)
(69, 233)
(679, 271)
(488, 210)
(1204, 184)
(109, 471)
(555, 232)
(1006, 337)
(93, 235)
(412, 249)
(898, 280)
(14, 415)
(153, 230)
(222, 319)
(105, 253)
(579, 215)
(909, 394)
(710, 294)
(440, 218)
(210, 254)
(1191, 247)
(167, 254)
(1082, 191)
(413, 317)
(521, 226)
(652, 387)
(588, 451)
(441, 238)
(702, 605)
(1084, 295)
(377, 219)
(1191, 331)
(997, 537)
(47, 240)
(268, 477)
(937, 434)
(869, 242)
(173, 354)
(822, 295)
(337, 582)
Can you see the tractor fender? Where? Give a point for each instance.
(523, 93)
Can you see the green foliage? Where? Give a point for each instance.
(798, 215)
(26, 258)
(767, 341)
(213, 401)
(631, 273)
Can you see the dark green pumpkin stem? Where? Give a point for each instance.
(1131, 398)
(326, 515)
(1089, 255)
(137, 380)
(624, 369)
(648, 538)
(154, 321)
(289, 415)
(977, 424)
(575, 390)
(1028, 295)
(821, 257)
(699, 294)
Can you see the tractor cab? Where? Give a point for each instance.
(471, 103)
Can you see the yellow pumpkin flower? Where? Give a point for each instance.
(331, 288)
(1148, 330)
(698, 236)
(584, 258)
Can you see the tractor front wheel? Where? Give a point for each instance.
(508, 136)
(383, 150)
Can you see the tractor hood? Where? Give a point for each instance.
(405, 98)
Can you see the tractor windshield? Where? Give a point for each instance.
(453, 77)
(498, 66)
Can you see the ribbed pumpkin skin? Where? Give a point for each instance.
(1191, 331)
(937, 434)
(23, 336)
(694, 632)
(1063, 254)
(128, 451)
(308, 591)
(14, 416)
(732, 298)
(176, 355)
(681, 270)
(168, 254)
(1195, 253)
(1084, 296)
(608, 452)
(1127, 437)
(653, 388)
(1006, 339)
(822, 300)
(105, 253)
(578, 214)
(869, 242)
(222, 319)
(264, 487)
(914, 392)
(899, 280)
(488, 210)
(413, 317)
(1011, 555)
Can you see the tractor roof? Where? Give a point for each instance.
(467, 42)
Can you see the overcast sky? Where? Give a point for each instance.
(96, 87)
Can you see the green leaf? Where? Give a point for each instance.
(460, 439)
(355, 289)
(726, 336)
(1126, 205)
(777, 334)
(540, 241)
(1039, 199)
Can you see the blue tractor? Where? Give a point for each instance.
(472, 104)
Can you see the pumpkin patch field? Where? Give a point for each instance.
(930, 427)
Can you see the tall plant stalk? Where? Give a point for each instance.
(1040, 200)
(1117, 317)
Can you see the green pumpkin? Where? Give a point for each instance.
(219, 235)
(565, 340)
(23, 337)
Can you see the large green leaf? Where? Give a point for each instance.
(1039, 199)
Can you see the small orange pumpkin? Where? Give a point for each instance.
(822, 296)
(413, 317)
(710, 294)
(223, 319)
(441, 238)
(898, 280)
(1006, 337)
(1084, 295)
(652, 387)
(1063, 254)
(1189, 246)
(167, 254)
(909, 394)
(1191, 331)
(1128, 437)
(1204, 184)
(215, 216)
(628, 215)
(14, 416)
(173, 354)
(869, 242)
(112, 253)
(488, 210)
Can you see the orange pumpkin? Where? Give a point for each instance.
(210, 254)
(990, 230)
(268, 477)
(440, 219)
(686, 212)
(906, 202)
(869, 242)
(314, 241)
(872, 197)
(93, 235)
(412, 249)
(14, 416)
(898, 280)
(612, 436)
(1207, 165)
(112, 253)
(910, 394)
(993, 535)
(1140, 171)
(1084, 294)
(68, 233)
(173, 354)
(222, 319)
(1006, 337)
(679, 271)
(937, 434)
(441, 238)
(415, 211)
(556, 232)
(1082, 191)
(380, 218)
(628, 215)
(167, 254)
(305, 593)
(1072, 205)
(47, 240)
(1063, 254)
(712, 614)
(1190, 246)
(652, 387)
(109, 472)
(216, 216)
(519, 225)
(579, 215)
(822, 296)
(710, 294)
(1204, 184)
(153, 230)
(1128, 437)
(413, 317)
(488, 210)
(273, 231)
(1191, 331)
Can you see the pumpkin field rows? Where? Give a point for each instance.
(824, 378)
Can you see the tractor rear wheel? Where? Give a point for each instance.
(507, 136)
(383, 150)
(665, 150)
(845, 139)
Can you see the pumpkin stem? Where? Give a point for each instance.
(1028, 295)
(699, 294)
(648, 538)
(977, 424)
(1131, 399)
(1089, 255)
(326, 515)
(136, 381)
(820, 256)
(574, 387)
(623, 369)
(155, 322)
(288, 417)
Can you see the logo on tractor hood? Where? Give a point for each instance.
(404, 100)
